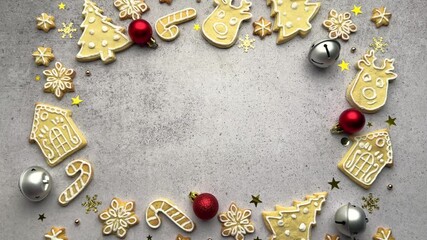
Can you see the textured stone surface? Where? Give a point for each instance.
(189, 116)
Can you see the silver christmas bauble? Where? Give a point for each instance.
(350, 220)
(35, 183)
(324, 53)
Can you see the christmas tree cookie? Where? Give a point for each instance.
(295, 222)
(100, 38)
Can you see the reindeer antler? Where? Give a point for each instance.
(245, 5)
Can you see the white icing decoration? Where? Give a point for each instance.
(91, 45)
(104, 43)
(116, 37)
(171, 211)
(104, 29)
(91, 19)
(280, 223)
(86, 173)
(315, 204)
(287, 232)
(289, 24)
(369, 93)
(294, 5)
(91, 32)
(233, 21)
(302, 227)
(305, 210)
(293, 216)
(54, 235)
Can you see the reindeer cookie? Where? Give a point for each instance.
(221, 27)
(368, 155)
(166, 26)
(368, 91)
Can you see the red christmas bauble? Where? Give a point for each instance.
(140, 31)
(205, 206)
(351, 121)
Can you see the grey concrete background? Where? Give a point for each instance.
(189, 116)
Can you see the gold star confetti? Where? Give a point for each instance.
(61, 6)
(379, 44)
(196, 27)
(91, 203)
(262, 27)
(67, 30)
(255, 200)
(45, 22)
(380, 17)
(370, 203)
(334, 184)
(246, 43)
(38, 77)
(76, 100)
(357, 10)
(391, 121)
(343, 65)
(41, 217)
(43, 56)
(370, 124)
(383, 234)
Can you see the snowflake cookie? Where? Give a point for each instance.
(45, 22)
(383, 234)
(118, 218)
(339, 25)
(236, 222)
(380, 17)
(262, 27)
(43, 56)
(56, 233)
(59, 80)
(131, 8)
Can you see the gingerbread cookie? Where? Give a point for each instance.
(380, 17)
(55, 133)
(100, 38)
(339, 25)
(45, 22)
(292, 18)
(383, 234)
(180, 237)
(43, 56)
(171, 211)
(368, 91)
(131, 8)
(166, 26)
(56, 233)
(119, 217)
(368, 155)
(86, 174)
(332, 237)
(262, 27)
(59, 80)
(236, 222)
(221, 27)
(295, 222)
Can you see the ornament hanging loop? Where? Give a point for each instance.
(152, 43)
(336, 129)
(193, 195)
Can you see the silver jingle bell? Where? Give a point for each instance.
(324, 53)
(350, 220)
(35, 183)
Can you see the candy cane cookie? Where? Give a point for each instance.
(171, 211)
(86, 174)
(166, 26)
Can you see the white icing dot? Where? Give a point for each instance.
(284, 14)
(294, 5)
(116, 37)
(302, 227)
(298, 19)
(287, 233)
(90, 9)
(315, 204)
(92, 19)
(289, 24)
(280, 223)
(293, 216)
(91, 45)
(280, 2)
(104, 28)
(104, 43)
(306, 9)
(305, 210)
(91, 32)
(381, 160)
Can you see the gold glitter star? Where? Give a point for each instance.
(91, 203)
(357, 10)
(67, 30)
(196, 27)
(334, 184)
(38, 77)
(370, 203)
(379, 44)
(343, 65)
(255, 200)
(61, 6)
(246, 43)
(391, 121)
(76, 100)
